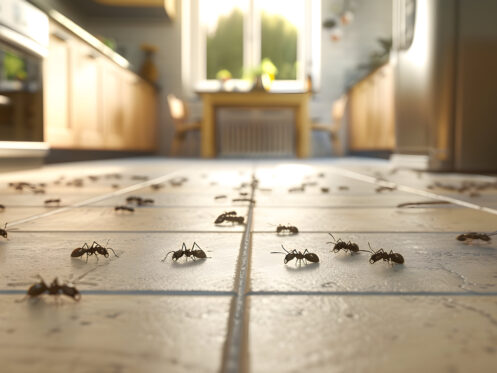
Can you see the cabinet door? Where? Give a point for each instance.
(59, 129)
(85, 96)
(145, 116)
(112, 106)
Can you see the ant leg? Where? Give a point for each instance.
(87, 255)
(196, 244)
(305, 251)
(183, 247)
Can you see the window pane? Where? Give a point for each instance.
(281, 21)
(223, 23)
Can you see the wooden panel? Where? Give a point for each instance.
(59, 130)
(85, 96)
(112, 106)
(371, 112)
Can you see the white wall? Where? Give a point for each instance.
(339, 60)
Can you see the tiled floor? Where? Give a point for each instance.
(243, 309)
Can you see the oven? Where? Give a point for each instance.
(23, 45)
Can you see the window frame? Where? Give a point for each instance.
(194, 56)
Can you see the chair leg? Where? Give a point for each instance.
(177, 140)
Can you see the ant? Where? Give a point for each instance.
(382, 188)
(221, 196)
(243, 200)
(3, 232)
(138, 177)
(132, 199)
(55, 288)
(53, 201)
(474, 236)
(290, 228)
(229, 216)
(199, 253)
(390, 257)
(2, 208)
(297, 189)
(325, 190)
(94, 249)
(342, 245)
(156, 186)
(343, 187)
(124, 208)
(300, 256)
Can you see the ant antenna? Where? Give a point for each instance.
(279, 252)
(163, 260)
(334, 239)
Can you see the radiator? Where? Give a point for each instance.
(255, 132)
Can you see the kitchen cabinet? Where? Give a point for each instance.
(92, 102)
(371, 112)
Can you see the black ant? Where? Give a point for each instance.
(156, 186)
(474, 236)
(94, 249)
(390, 257)
(53, 201)
(3, 232)
(221, 196)
(300, 256)
(55, 288)
(383, 188)
(343, 187)
(139, 177)
(124, 208)
(229, 216)
(199, 253)
(2, 208)
(342, 245)
(325, 190)
(132, 199)
(243, 200)
(290, 228)
(297, 189)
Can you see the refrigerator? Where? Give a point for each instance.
(444, 54)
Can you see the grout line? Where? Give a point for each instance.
(371, 293)
(99, 198)
(140, 292)
(404, 188)
(120, 232)
(235, 344)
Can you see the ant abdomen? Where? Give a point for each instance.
(78, 252)
(311, 257)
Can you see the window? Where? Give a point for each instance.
(240, 38)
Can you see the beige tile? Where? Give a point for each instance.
(142, 219)
(380, 219)
(113, 334)
(138, 266)
(372, 334)
(433, 263)
(11, 214)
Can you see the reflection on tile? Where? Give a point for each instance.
(372, 334)
(433, 263)
(142, 219)
(113, 334)
(138, 266)
(379, 219)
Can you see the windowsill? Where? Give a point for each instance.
(236, 85)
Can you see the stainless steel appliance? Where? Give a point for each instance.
(445, 58)
(23, 45)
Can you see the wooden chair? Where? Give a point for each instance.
(179, 112)
(335, 129)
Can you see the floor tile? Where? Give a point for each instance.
(372, 334)
(113, 334)
(138, 266)
(433, 263)
(380, 219)
(142, 219)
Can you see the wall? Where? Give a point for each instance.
(339, 60)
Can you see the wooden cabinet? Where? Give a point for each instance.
(93, 103)
(371, 112)
(59, 130)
